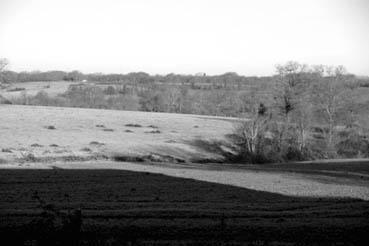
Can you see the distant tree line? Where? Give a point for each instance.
(13, 77)
(227, 80)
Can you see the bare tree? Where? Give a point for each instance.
(302, 121)
(253, 129)
(3, 64)
(290, 96)
(329, 93)
(254, 126)
(172, 99)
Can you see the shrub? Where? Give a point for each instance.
(96, 143)
(6, 150)
(108, 130)
(352, 145)
(293, 154)
(133, 125)
(86, 149)
(29, 157)
(16, 89)
(42, 98)
(154, 132)
(36, 145)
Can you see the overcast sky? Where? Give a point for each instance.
(183, 36)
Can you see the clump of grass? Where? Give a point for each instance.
(36, 145)
(170, 141)
(147, 158)
(50, 127)
(108, 130)
(17, 89)
(71, 158)
(154, 132)
(163, 158)
(86, 149)
(29, 157)
(127, 158)
(129, 131)
(153, 126)
(133, 125)
(60, 151)
(96, 143)
(196, 126)
(6, 150)
(54, 145)
(100, 126)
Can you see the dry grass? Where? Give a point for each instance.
(72, 129)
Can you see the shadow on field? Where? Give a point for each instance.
(345, 173)
(226, 151)
(115, 207)
(327, 171)
(227, 119)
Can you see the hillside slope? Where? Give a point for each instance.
(27, 132)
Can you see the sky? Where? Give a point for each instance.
(183, 36)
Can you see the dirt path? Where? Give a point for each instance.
(283, 183)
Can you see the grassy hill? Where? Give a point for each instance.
(35, 132)
(52, 88)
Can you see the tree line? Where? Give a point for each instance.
(316, 113)
(300, 113)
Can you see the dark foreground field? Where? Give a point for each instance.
(114, 207)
